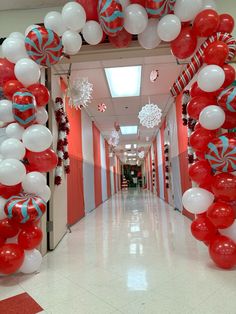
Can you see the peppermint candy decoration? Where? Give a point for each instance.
(43, 46)
(102, 107)
(25, 208)
(159, 8)
(222, 153)
(111, 16)
(227, 99)
(24, 107)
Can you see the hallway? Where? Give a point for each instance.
(133, 254)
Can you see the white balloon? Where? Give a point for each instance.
(2, 204)
(15, 130)
(149, 38)
(17, 35)
(211, 78)
(27, 72)
(212, 117)
(37, 138)
(135, 19)
(92, 32)
(230, 231)
(41, 115)
(29, 28)
(12, 148)
(12, 172)
(209, 4)
(1, 157)
(53, 20)
(186, 10)
(45, 194)
(34, 182)
(74, 16)
(14, 49)
(197, 200)
(71, 42)
(6, 114)
(169, 27)
(32, 262)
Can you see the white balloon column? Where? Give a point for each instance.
(26, 153)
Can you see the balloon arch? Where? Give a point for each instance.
(25, 154)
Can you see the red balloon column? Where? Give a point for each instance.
(214, 169)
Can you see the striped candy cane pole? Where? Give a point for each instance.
(197, 60)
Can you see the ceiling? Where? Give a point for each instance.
(29, 4)
(125, 111)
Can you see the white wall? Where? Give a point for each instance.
(88, 161)
(103, 168)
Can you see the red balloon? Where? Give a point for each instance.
(8, 229)
(196, 104)
(200, 155)
(7, 191)
(41, 161)
(6, 71)
(90, 8)
(122, 40)
(196, 91)
(141, 2)
(11, 258)
(198, 126)
(40, 93)
(11, 87)
(199, 139)
(223, 252)
(216, 53)
(185, 44)
(200, 172)
(30, 237)
(230, 120)
(229, 75)
(203, 229)
(224, 187)
(2, 241)
(226, 23)
(206, 23)
(221, 215)
(206, 186)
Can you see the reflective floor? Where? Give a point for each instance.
(134, 254)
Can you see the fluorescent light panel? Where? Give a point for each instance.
(124, 81)
(131, 155)
(128, 146)
(128, 130)
(135, 146)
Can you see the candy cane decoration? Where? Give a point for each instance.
(197, 61)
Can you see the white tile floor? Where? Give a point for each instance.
(132, 255)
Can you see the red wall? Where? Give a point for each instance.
(75, 179)
(108, 170)
(97, 166)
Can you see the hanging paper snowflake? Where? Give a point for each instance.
(80, 93)
(102, 107)
(114, 138)
(141, 155)
(150, 115)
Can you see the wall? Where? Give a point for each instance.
(171, 132)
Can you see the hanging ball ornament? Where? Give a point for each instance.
(111, 16)
(43, 46)
(102, 107)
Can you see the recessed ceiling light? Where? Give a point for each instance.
(124, 81)
(127, 130)
(128, 146)
(135, 146)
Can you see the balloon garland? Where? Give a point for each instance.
(26, 153)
